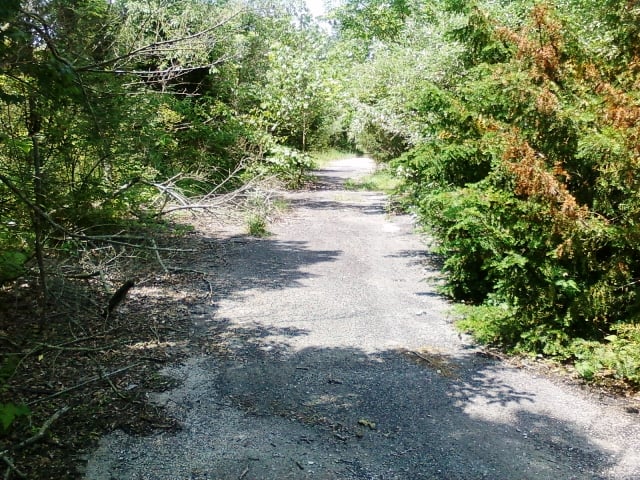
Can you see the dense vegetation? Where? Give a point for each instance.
(112, 114)
(107, 104)
(514, 126)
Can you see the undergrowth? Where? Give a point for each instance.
(257, 226)
(612, 360)
(527, 180)
(381, 180)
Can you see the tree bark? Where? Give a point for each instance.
(34, 123)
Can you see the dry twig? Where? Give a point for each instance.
(4, 455)
(94, 379)
(244, 473)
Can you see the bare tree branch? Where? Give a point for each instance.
(86, 382)
(40, 25)
(103, 238)
(4, 455)
(152, 47)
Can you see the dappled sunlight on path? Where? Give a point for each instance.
(328, 353)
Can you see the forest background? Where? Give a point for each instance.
(512, 125)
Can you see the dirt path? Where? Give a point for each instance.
(327, 354)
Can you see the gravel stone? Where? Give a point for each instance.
(335, 358)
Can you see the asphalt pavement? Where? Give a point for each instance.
(332, 356)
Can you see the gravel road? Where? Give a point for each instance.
(331, 356)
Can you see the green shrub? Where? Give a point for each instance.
(257, 226)
(618, 357)
(382, 145)
(490, 325)
(11, 265)
(287, 164)
(527, 180)
(10, 412)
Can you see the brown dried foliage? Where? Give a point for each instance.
(547, 102)
(622, 110)
(540, 42)
(533, 179)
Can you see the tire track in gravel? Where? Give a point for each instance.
(332, 357)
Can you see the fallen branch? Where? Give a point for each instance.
(80, 349)
(210, 290)
(43, 429)
(164, 267)
(97, 378)
(11, 467)
(186, 270)
(233, 174)
(123, 188)
(4, 338)
(186, 207)
(170, 192)
(63, 345)
(111, 384)
(153, 359)
(79, 236)
(212, 200)
(4, 455)
(426, 359)
(84, 276)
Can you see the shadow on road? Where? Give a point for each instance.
(393, 414)
(403, 414)
(412, 414)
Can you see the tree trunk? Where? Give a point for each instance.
(34, 123)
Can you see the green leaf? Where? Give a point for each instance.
(23, 144)
(8, 8)
(10, 411)
(11, 265)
